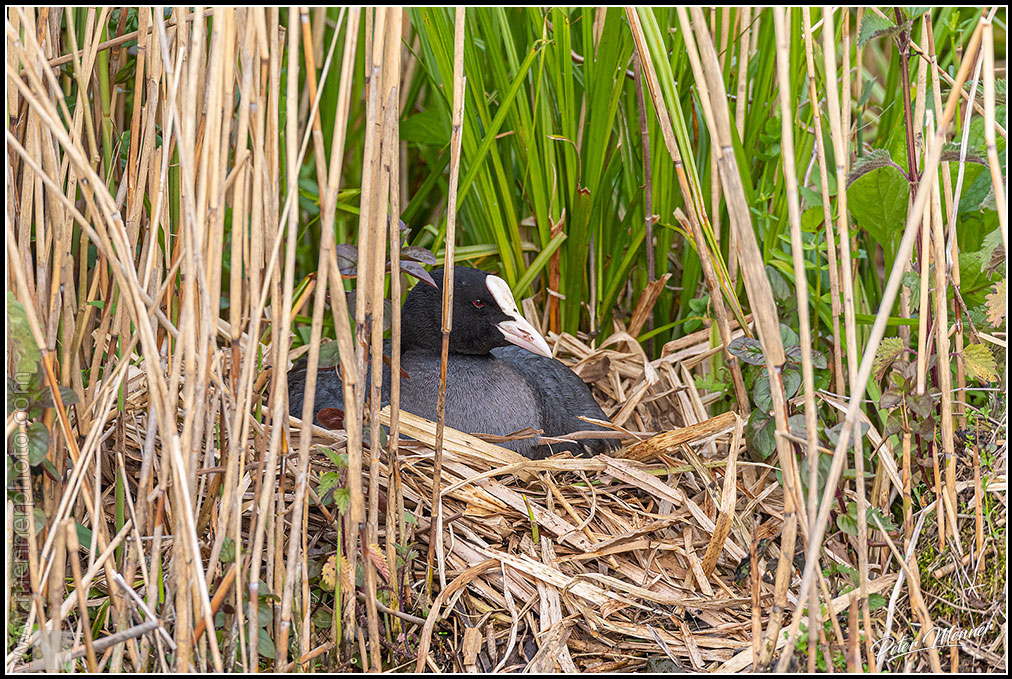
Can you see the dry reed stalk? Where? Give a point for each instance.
(839, 138)
(394, 520)
(745, 27)
(697, 212)
(369, 311)
(648, 186)
(839, 124)
(797, 251)
(878, 330)
(436, 542)
(707, 70)
(990, 126)
(117, 234)
(941, 330)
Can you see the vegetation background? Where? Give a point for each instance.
(180, 184)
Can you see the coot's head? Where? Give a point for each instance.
(485, 316)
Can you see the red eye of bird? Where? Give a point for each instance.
(478, 304)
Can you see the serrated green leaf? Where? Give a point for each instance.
(889, 350)
(997, 303)
(980, 363)
(873, 26)
(878, 202)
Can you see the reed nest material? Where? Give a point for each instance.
(638, 560)
(167, 177)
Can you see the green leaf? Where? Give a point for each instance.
(922, 405)
(891, 398)
(848, 522)
(337, 458)
(889, 350)
(793, 354)
(833, 433)
(265, 645)
(781, 291)
(788, 336)
(878, 201)
(227, 550)
(874, 26)
(873, 160)
(22, 341)
(759, 434)
(431, 126)
(747, 349)
(342, 496)
(330, 355)
(980, 363)
(327, 481)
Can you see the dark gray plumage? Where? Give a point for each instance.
(495, 383)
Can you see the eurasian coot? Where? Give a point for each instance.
(500, 378)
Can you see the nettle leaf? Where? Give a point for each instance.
(342, 496)
(980, 363)
(327, 481)
(875, 26)
(873, 160)
(953, 152)
(747, 349)
(337, 458)
(878, 202)
(978, 196)
(889, 350)
(997, 301)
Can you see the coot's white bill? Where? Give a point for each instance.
(516, 330)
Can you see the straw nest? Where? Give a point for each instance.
(631, 561)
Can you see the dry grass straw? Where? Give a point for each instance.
(182, 450)
(889, 296)
(697, 212)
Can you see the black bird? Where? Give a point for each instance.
(500, 377)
